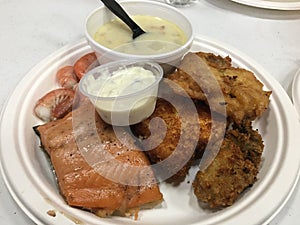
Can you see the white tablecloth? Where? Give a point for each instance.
(31, 30)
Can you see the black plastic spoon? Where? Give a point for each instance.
(115, 8)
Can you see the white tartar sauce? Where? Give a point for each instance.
(116, 101)
(121, 82)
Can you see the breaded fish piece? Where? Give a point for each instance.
(249, 140)
(222, 85)
(164, 142)
(79, 182)
(234, 169)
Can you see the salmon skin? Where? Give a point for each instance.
(80, 183)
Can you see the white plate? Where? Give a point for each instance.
(30, 180)
(296, 91)
(272, 4)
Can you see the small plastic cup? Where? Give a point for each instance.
(133, 102)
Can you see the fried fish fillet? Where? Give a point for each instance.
(234, 169)
(213, 79)
(183, 136)
(80, 183)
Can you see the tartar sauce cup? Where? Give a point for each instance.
(123, 92)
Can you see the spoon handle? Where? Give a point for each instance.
(119, 11)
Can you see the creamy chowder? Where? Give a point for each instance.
(161, 36)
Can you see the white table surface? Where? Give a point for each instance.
(31, 30)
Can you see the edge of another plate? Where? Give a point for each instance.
(279, 5)
(296, 92)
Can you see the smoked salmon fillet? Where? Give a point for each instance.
(79, 180)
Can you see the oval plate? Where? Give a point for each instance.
(29, 178)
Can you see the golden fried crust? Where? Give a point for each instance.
(171, 128)
(166, 112)
(250, 142)
(215, 61)
(233, 170)
(221, 84)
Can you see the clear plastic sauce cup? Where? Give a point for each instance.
(123, 92)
